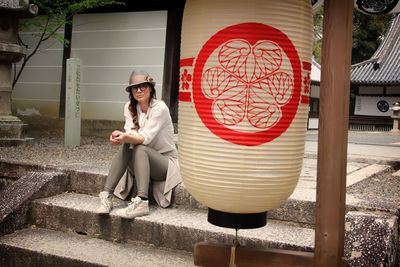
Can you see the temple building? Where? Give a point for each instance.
(375, 84)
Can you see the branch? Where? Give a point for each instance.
(26, 58)
(57, 28)
(73, 9)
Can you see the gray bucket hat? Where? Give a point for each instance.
(139, 77)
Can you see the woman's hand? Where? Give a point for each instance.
(118, 137)
(115, 137)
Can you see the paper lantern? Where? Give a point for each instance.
(376, 7)
(243, 104)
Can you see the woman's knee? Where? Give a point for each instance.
(139, 150)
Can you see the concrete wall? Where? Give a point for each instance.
(38, 89)
(110, 46)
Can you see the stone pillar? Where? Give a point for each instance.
(5, 88)
(11, 127)
(73, 103)
(396, 117)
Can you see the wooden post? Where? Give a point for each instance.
(171, 58)
(333, 130)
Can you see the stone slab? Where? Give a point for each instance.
(366, 233)
(371, 239)
(356, 172)
(42, 247)
(366, 172)
(15, 199)
(4, 142)
(11, 129)
(175, 228)
(300, 207)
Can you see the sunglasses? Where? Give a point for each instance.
(140, 87)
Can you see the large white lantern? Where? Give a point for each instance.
(243, 104)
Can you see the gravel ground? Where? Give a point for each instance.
(50, 150)
(96, 153)
(384, 185)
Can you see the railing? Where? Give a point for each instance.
(370, 123)
(369, 128)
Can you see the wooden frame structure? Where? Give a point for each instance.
(332, 159)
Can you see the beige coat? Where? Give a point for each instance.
(154, 134)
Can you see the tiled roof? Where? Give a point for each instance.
(384, 66)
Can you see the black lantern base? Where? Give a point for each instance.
(236, 220)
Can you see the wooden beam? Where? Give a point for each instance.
(212, 255)
(171, 58)
(66, 55)
(333, 130)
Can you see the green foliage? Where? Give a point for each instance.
(317, 42)
(368, 33)
(70, 7)
(53, 16)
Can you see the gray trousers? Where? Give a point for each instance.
(147, 164)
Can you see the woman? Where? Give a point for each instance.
(148, 146)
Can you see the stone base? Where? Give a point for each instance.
(15, 141)
(12, 131)
(371, 239)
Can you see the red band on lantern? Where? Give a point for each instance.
(235, 46)
(305, 99)
(185, 92)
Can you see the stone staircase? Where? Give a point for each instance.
(60, 227)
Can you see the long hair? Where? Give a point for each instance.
(133, 104)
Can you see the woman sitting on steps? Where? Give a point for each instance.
(148, 145)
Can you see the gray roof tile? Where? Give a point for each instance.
(384, 66)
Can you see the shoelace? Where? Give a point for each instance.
(133, 204)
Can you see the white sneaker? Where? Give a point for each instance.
(105, 203)
(136, 208)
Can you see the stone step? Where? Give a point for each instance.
(175, 228)
(299, 208)
(43, 247)
(294, 210)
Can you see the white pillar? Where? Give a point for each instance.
(73, 103)
(395, 126)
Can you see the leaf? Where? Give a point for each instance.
(268, 58)
(216, 81)
(58, 37)
(263, 110)
(263, 115)
(229, 111)
(233, 56)
(280, 85)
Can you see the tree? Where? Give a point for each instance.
(317, 40)
(368, 33)
(53, 15)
